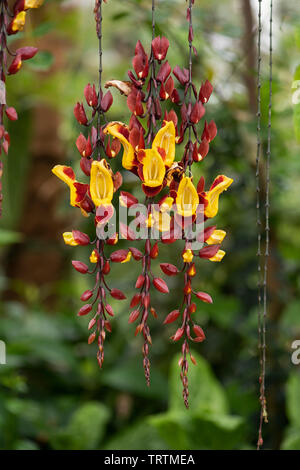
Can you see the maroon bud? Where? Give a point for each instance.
(140, 281)
(178, 334)
(146, 300)
(160, 47)
(86, 295)
(169, 269)
(212, 128)
(11, 113)
(107, 326)
(92, 338)
(118, 256)
(134, 102)
(154, 251)
(197, 113)
(92, 323)
(164, 72)
(133, 316)
(27, 52)
(160, 285)
(205, 92)
(91, 95)
(109, 310)
(172, 317)
(175, 98)
(79, 114)
(204, 297)
(15, 65)
(117, 294)
(80, 267)
(106, 101)
(208, 232)
(209, 251)
(202, 150)
(85, 310)
(81, 238)
(182, 75)
(135, 300)
(106, 268)
(192, 308)
(137, 254)
(200, 336)
(127, 199)
(85, 165)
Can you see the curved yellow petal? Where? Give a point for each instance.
(67, 175)
(69, 239)
(101, 184)
(153, 168)
(128, 258)
(19, 21)
(216, 237)
(220, 184)
(33, 3)
(113, 129)
(165, 140)
(218, 256)
(187, 198)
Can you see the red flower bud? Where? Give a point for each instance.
(118, 256)
(109, 310)
(200, 336)
(133, 316)
(178, 334)
(212, 128)
(154, 251)
(209, 251)
(80, 267)
(117, 294)
(106, 101)
(91, 338)
(160, 47)
(182, 75)
(79, 114)
(192, 308)
(134, 102)
(164, 72)
(92, 323)
(113, 239)
(160, 285)
(197, 113)
(140, 281)
(140, 61)
(172, 317)
(81, 238)
(146, 300)
(11, 113)
(85, 165)
(135, 300)
(15, 65)
(204, 297)
(205, 91)
(169, 269)
(91, 95)
(107, 326)
(85, 310)
(106, 268)
(209, 231)
(137, 254)
(27, 52)
(86, 295)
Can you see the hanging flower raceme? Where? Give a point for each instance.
(11, 63)
(174, 206)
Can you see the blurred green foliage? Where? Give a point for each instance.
(52, 394)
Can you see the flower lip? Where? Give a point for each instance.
(164, 142)
(153, 168)
(121, 132)
(101, 184)
(187, 198)
(220, 184)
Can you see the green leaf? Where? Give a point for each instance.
(291, 440)
(206, 394)
(85, 429)
(42, 61)
(293, 401)
(140, 436)
(7, 237)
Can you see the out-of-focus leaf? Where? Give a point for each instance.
(42, 61)
(141, 436)
(293, 401)
(85, 429)
(7, 237)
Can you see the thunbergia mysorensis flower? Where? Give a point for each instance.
(12, 20)
(149, 152)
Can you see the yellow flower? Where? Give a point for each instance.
(164, 142)
(101, 184)
(187, 198)
(66, 174)
(114, 128)
(218, 256)
(33, 4)
(128, 258)
(19, 21)
(187, 256)
(69, 239)
(216, 237)
(160, 220)
(93, 257)
(153, 168)
(220, 184)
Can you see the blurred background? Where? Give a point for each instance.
(52, 393)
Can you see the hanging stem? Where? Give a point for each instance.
(98, 18)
